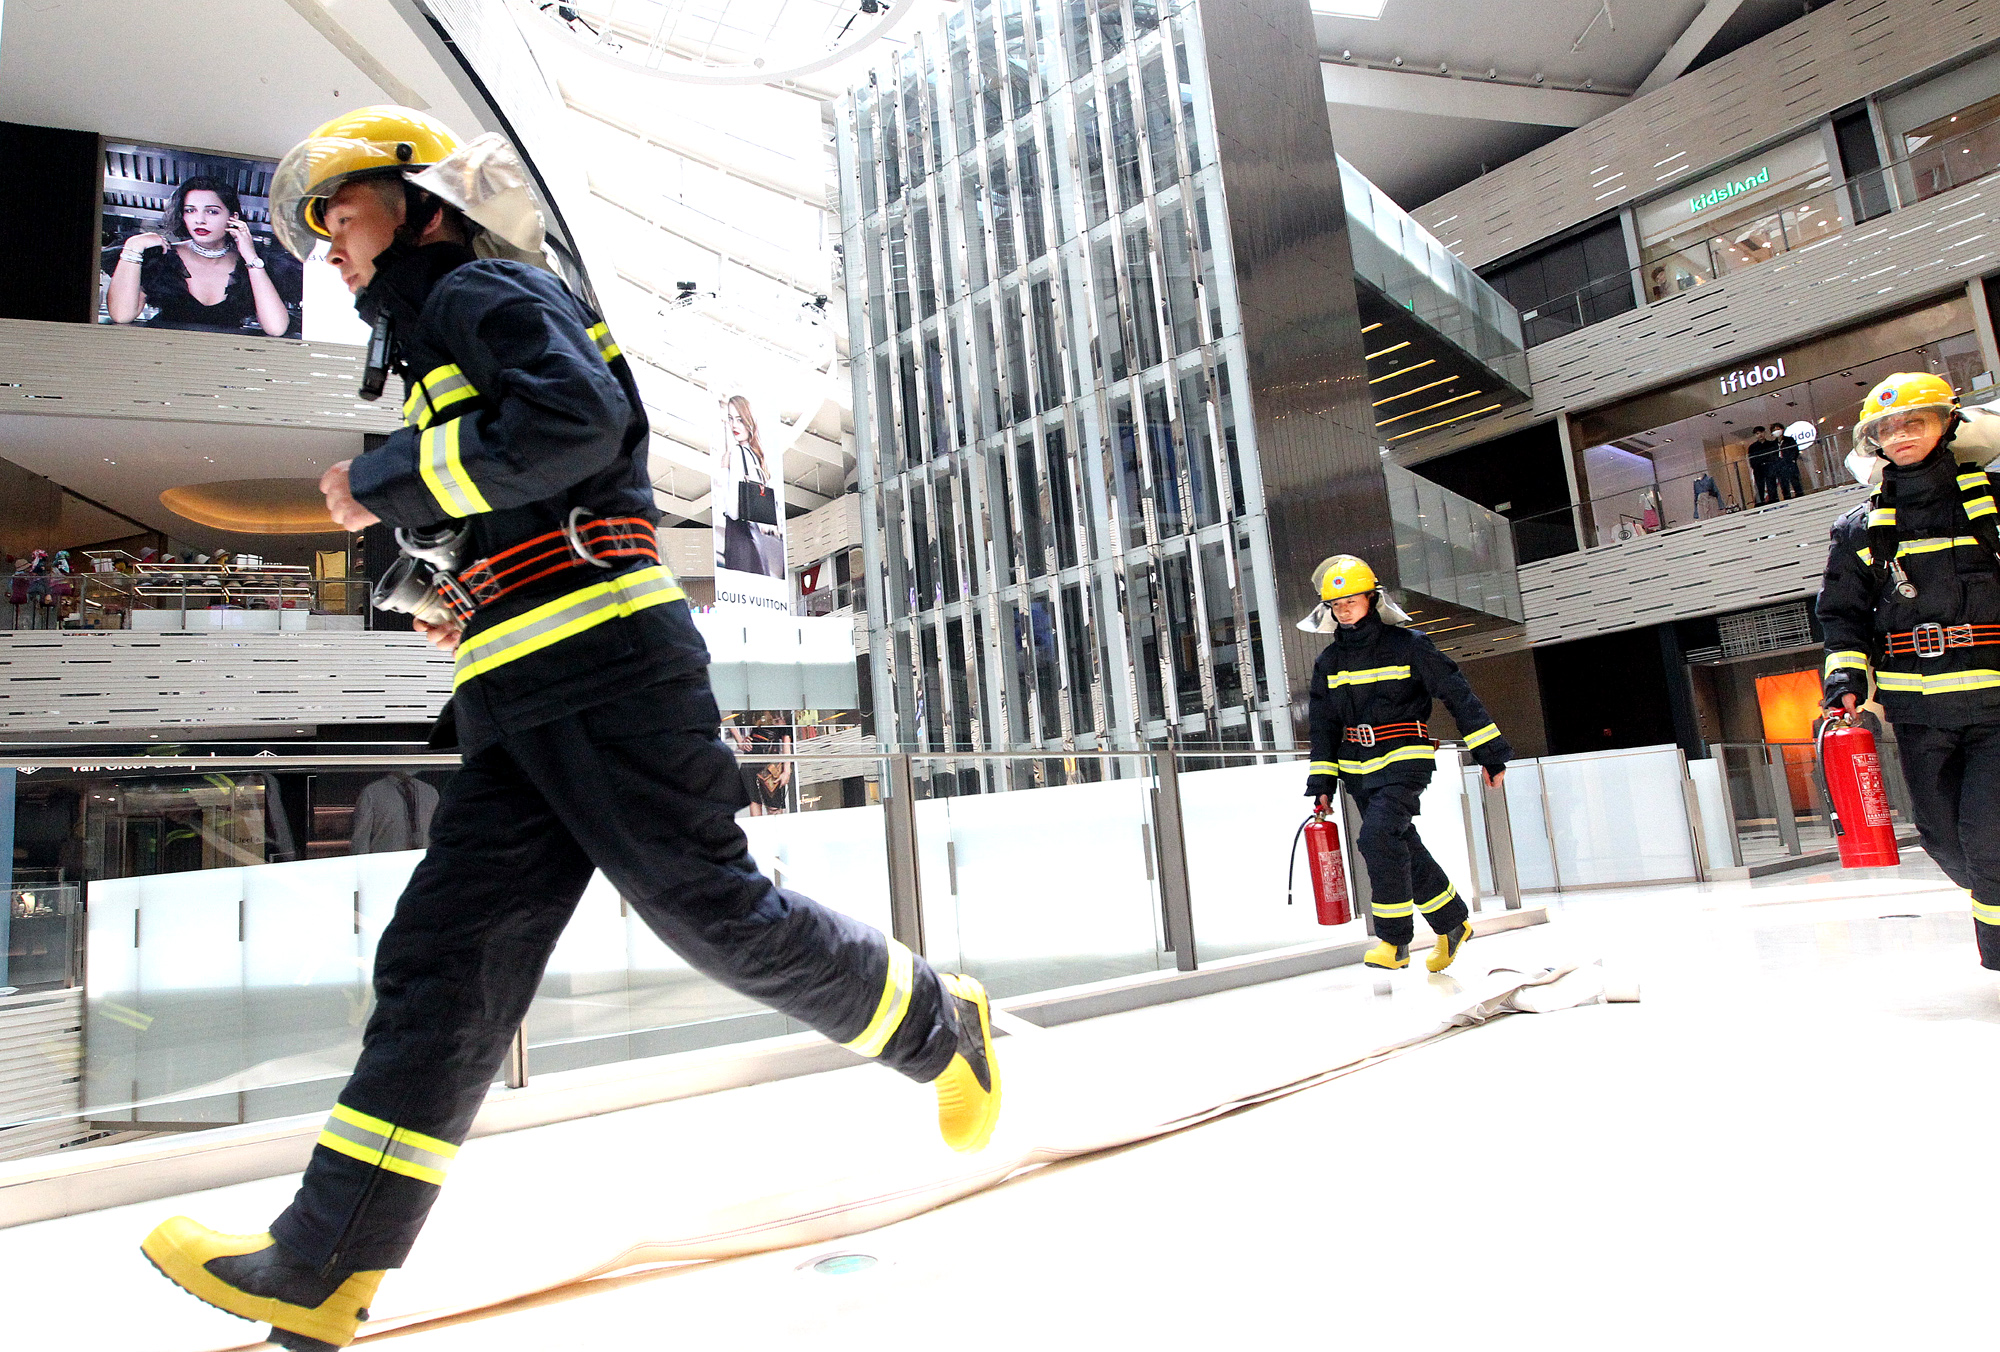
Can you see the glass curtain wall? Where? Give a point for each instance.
(1059, 500)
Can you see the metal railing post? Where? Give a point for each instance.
(1176, 898)
(517, 1059)
(899, 818)
(1500, 842)
(1478, 893)
(1358, 887)
(1720, 754)
(1697, 831)
(1781, 804)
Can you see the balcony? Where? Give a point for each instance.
(1701, 260)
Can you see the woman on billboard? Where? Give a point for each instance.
(214, 280)
(750, 539)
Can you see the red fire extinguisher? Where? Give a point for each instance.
(1853, 769)
(1329, 873)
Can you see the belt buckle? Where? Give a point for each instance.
(479, 583)
(1365, 734)
(1930, 640)
(1958, 636)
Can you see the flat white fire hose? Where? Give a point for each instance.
(1117, 1116)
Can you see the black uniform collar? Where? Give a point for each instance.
(404, 278)
(1366, 630)
(1936, 475)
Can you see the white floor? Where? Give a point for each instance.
(1785, 1145)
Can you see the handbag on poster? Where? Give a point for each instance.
(756, 502)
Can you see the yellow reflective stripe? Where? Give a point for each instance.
(1367, 677)
(1984, 914)
(1976, 479)
(606, 348)
(397, 1149)
(1444, 898)
(552, 622)
(1931, 544)
(434, 393)
(1944, 683)
(1391, 910)
(1980, 506)
(1852, 660)
(1322, 768)
(444, 471)
(1882, 516)
(893, 1005)
(1408, 753)
(1475, 740)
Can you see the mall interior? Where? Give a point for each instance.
(1008, 367)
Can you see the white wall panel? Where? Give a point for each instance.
(110, 371)
(41, 1056)
(60, 683)
(1925, 251)
(1752, 558)
(1837, 54)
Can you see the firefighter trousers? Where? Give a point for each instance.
(1954, 779)
(1403, 878)
(641, 788)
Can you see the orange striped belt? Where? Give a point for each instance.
(1932, 640)
(602, 542)
(1368, 734)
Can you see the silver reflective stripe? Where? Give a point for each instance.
(390, 1152)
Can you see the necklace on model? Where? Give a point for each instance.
(210, 253)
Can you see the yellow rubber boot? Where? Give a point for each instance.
(968, 1093)
(1447, 947)
(1387, 956)
(261, 1285)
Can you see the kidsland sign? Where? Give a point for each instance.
(1719, 195)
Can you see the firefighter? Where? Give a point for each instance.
(583, 710)
(1912, 594)
(1371, 692)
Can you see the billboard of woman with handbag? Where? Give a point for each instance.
(748, 498)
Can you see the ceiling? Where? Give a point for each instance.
(126, 463)
(1419, 133)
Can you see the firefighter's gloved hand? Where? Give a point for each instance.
(1495, 776)
(1320, 786)
(1323, 803)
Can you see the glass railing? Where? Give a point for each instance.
(1612, 517)
(1699, 260)
(220, 912)
(1406, 263)
(1451, 548)
(1774, 800)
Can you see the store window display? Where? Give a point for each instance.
(1775, 445)
(1738, 217)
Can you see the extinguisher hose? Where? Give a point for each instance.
(1292, 867)
(1819, 763)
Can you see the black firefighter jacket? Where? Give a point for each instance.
(1958, 584)
(1379, 676)
(519, 409)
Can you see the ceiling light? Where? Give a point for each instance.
(1349, 9)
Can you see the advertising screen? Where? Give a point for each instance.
(186, 243)
(749, 515)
